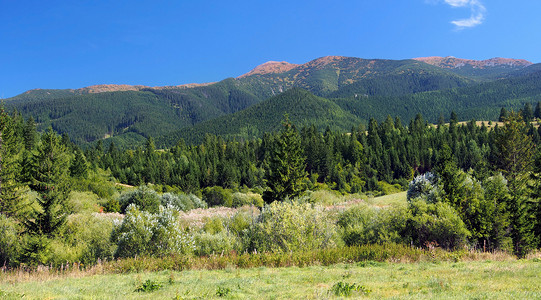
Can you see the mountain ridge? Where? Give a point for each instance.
(451, 62)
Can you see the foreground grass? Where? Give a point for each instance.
(513, 279)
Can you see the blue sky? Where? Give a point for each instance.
(72, 44)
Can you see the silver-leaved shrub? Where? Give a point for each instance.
(144, 233)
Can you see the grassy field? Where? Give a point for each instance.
(510, 279)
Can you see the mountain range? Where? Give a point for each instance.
(333, 91)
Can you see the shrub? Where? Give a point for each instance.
(91, 235)
(239, 222)
(145, 198)
(148, 286)
(366, 225)
(112, 206)
(79, 202)
(436, 222)
(217, 196)
(144, 233)
(425, 187)
(10, 242)
(241, 199)
(222, 242)
(182, 201)
(214, 225)
(323, 197)
(291, 227)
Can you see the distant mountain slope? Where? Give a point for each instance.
(481, 102)
(128, 114)
(302, 107)
(484, 69)
(327, 75)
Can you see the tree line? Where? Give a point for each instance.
(488, 173)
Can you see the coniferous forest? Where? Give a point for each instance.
(470, 185)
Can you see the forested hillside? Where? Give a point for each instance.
(355, 90)
(468, 186)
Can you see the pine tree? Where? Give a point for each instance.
(11, 203)
(50, 181)
(79, 166)
(29, 134)
(515, 160)
(527, 113)
(537, 112)
(503, 115)
(285, 165)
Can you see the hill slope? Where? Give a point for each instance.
(365, 88)
(302, 107)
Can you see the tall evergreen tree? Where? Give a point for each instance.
(537, 112)
(50, 181)
(527, 113)
(515, 160)
(29, 134)
(503, 114)
(10, 200)
(285, 165)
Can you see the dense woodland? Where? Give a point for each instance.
(480, 182)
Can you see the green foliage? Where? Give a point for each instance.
(361, 225)
(143, 197)
(223, 291)
(345, 289)
(144, 233)
(436, 223)
(284, 226)
(11, 203)
(50, 180)
(80, 202)
(148, 286)
(286, 165)
(10, 241)
(208, 243)
(424, 187)
(217, 196)
(112, 206)
(89, 235)
(184, 202)
(241, 199)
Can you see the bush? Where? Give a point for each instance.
(144, 233)
(214, 225)
(10, 242)
(217, 196)
(145, 198)
(222, 242)
(91, 235)
(425, 187)
(182, 201)
(436, 222)
(79, 202)
(239, 222)
(362, 225)
(291, 227)
(241, 199)
(112, 206)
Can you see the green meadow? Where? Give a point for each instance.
(487, 279)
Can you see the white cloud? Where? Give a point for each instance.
(477, 16)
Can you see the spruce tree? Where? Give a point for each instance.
(527, 113)
(515, 161)
(285, 165)
(11, 203)
(503, 115)
(537, 112)
(49, 179)
(29, 134)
